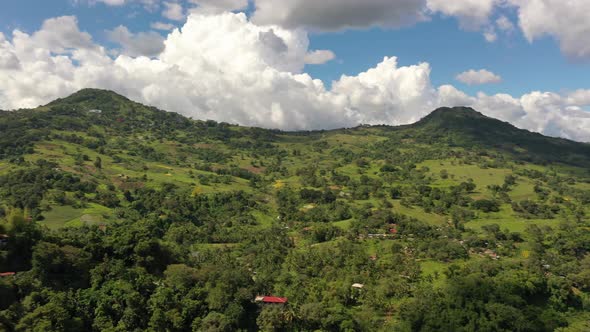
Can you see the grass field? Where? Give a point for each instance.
(513, 224)
(458, 173)
(67, 216)
(418, 213)
(343, 224)
(435, 270)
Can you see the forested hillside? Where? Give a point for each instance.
(115, 216)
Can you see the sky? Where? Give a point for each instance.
(308, 64)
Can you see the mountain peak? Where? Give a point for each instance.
(454, 113)
(94, 98)
(466, 127)
(462, 119)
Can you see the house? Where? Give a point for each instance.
(271, 299)
(491, 254)
(358, 286)
(7, 274)
(393, 229)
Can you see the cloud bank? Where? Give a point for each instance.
(330, 15)
(227, 68)
(566, 21)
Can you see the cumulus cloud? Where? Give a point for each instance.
(579, 97)
(338, 14)
(504, 24)
(477, 77)
(8, 59)
(567, 21)
(140, 44)
(112, 2)
(162, 26)
(173, 11)
(58, 35)
(218, 6)
(147, 4)
(106, 2)
(319, 57)
(490, 35)
(226, 68)
(472, 14)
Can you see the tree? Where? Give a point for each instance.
(60, 267)
(58, 315)
(98, 163)
(272, 318)
(486, 205)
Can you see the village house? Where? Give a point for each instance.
(270, 300)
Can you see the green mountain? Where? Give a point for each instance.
(465, 127)
(116, 216)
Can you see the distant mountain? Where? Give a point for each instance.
(465, 127)
(458, 126)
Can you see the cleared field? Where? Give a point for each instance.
(513, 225)
(67, 216)
(458, 173)
(418, 213)
(435, 270)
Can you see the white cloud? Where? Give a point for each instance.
(112, 2)
(319, 57)
(218, 6)
(338, 14)
(477, 77)
(149, 5)
(579, 97)
(162, 26)
(140, 44)
(225, 68)
(59, 35)
(472, 14)
(173, 11)
(8, 59)
(490, 35)
(504, 24)
(567, 21)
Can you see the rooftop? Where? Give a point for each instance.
(271, 299)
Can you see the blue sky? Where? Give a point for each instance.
(532, 50)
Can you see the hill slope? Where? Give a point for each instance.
(117, 216)
(466, 127)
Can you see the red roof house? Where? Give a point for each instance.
(271, 299)
(392, 228)
(7, 274)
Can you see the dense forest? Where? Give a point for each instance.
(115, 216)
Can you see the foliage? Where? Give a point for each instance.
(162, 223)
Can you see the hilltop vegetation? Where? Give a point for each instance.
(122, 217)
